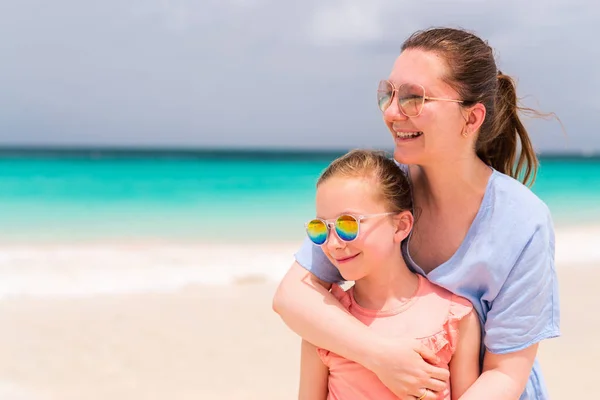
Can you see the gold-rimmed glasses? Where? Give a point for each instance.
(410, 97)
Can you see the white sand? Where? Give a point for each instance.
(124, 321)
(215, 343)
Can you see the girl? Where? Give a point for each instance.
(363, 205)
(481, 233)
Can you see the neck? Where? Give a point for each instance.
(449, 182)
(390, 285)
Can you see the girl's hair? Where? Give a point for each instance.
(390, 180)
(472, 72)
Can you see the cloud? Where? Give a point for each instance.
(342, 22)
(263, 72)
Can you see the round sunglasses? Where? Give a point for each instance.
(347, 227)
(410, 97)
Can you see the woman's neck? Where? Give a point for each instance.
(389, 286)
(448, 183)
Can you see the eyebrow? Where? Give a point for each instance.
(397, 83)
(345, 212)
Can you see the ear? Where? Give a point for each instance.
(404, 222)
(474, 117)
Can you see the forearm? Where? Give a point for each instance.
(504, 376)
(310, 310)
(494, 385)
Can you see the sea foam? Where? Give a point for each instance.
(103, 269)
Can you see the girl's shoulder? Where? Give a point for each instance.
(434, 295)
(443, 342)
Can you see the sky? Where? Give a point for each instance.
(269, 73)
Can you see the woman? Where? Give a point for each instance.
(479, 232)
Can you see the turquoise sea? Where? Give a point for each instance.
(221, 196)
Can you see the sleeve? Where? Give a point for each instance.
(311, 257)
(526, 309)
(403, 167)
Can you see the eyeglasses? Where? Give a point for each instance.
(346, 226)
(410, 97)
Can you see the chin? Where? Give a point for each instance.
(351, 275)
(404, 156)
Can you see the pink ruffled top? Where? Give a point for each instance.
(432, 315)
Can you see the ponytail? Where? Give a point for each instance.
(499, 148)
(502, 142)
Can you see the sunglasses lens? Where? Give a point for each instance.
(410, 99)
(384, 95)
(346, 226)
(317, 231)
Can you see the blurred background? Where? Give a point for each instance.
(147, 147)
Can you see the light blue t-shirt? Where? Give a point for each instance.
(504, 266)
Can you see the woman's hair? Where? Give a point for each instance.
(472, 72)
(390, 180)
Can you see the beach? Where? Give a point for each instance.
(134, 321)
(128, 275)
(159, 163)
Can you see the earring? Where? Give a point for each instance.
(464, 133)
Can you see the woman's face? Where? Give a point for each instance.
(439, 125)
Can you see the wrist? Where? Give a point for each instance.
(372, 354)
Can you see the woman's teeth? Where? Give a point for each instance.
(408, 135)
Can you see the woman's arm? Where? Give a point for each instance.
(504, 375)
(525, 311)
(464, 365)
(314, 374)
(305, 304)
(309, 309)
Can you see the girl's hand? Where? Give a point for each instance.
(406, 367)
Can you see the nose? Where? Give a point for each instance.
(393, 113)
(333, 241)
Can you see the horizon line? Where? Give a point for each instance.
(40, 150)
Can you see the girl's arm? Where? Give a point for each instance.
(309, 309)
(504, 375)
(464, 365)
(314, 375)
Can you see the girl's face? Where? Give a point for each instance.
(440, 123)
(379, 237)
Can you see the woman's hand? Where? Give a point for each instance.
(406, 367)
